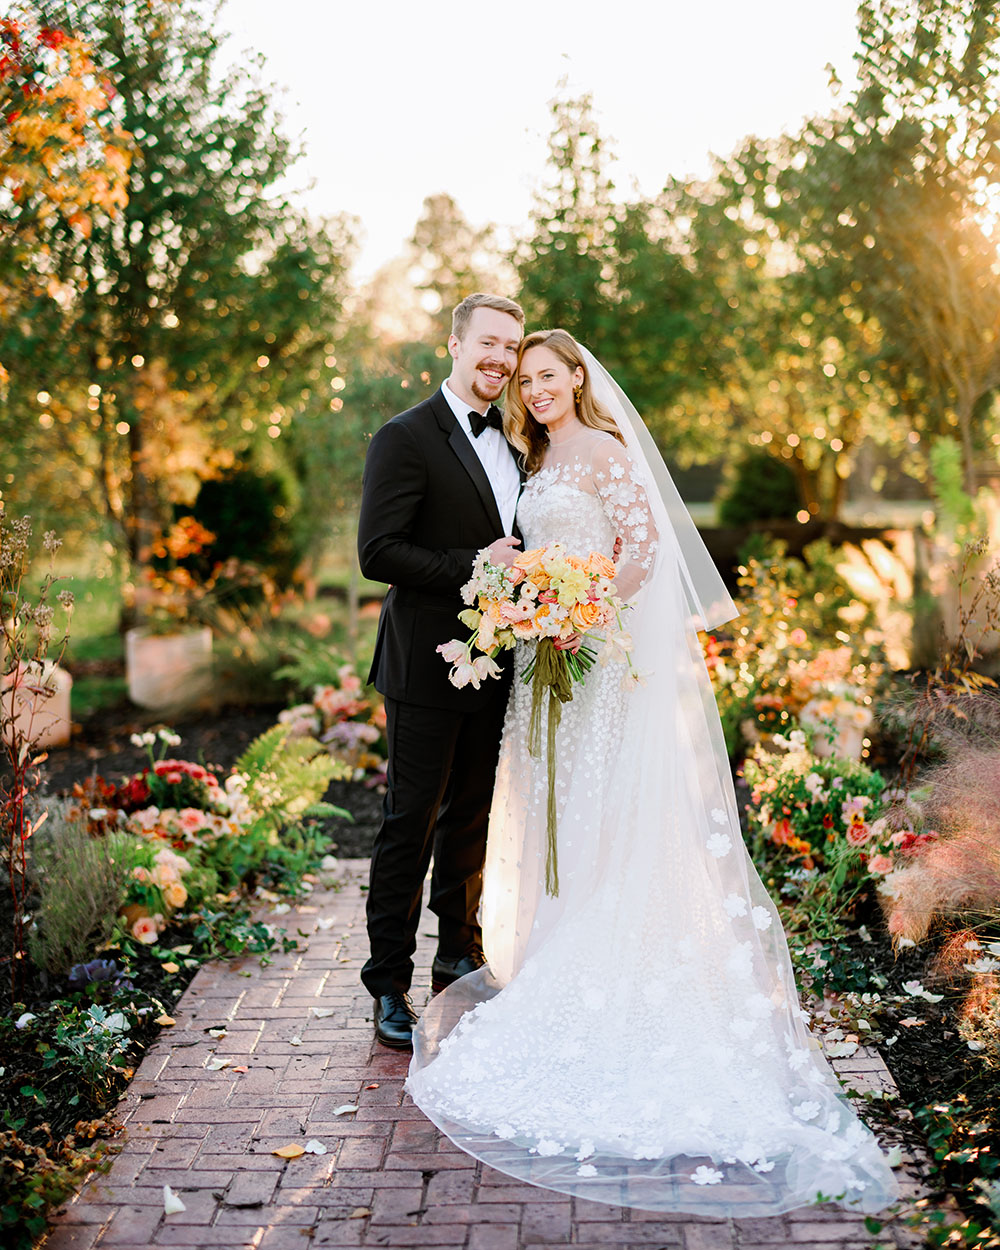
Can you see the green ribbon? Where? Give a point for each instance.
(550, 671)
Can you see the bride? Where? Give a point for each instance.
(635, 1039)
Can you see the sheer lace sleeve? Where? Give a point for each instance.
(622, 491)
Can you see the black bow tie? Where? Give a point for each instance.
(478, 421)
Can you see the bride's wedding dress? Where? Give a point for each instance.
(636, 1039)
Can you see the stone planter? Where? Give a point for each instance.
(168, 670)
(41, 717)
(847, 745)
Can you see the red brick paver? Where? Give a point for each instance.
(388, 1179)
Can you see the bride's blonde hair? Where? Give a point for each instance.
(522, 430)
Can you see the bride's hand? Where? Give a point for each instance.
(503, 551)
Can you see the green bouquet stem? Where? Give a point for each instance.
(555, 671)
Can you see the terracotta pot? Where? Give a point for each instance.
(168, 670)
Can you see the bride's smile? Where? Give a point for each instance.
(546, 384)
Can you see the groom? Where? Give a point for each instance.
(440, 483)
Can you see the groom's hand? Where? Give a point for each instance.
(503, 551)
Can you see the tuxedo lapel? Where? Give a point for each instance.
(459, 443)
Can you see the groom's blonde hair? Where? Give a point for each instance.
(462, 313)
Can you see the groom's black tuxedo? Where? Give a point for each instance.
(427, 507)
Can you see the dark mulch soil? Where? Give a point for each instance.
(101, 745)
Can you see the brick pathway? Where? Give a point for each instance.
(388, 1178)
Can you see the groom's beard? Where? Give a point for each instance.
(486, 390)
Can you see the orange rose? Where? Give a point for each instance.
(575, 562)
(585, 616)
(175, 895)
(600, 565)
(529, 560)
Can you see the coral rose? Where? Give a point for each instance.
(144, 930)
(858, 833)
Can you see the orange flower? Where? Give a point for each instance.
(175, 895)
(600, 565)
(585, 616)
(527, 561)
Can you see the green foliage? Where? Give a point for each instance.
(36, 1177)
(764, 489)
(956, 509)
(81, 882)
(252, 513)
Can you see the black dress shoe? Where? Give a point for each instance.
(446, 969)
(394, 1020)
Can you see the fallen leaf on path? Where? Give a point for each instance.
(216, 1032)
(374, 1085)
(216, 1065)
(359, 1213)
(164, 1021)
(291, 1151)
(321, 1012)
(348, 1106)
(241, 1068)
(170, 967)
(295, 1041)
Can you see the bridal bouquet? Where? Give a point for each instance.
(557, 601)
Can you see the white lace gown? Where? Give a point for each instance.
(636, 1039)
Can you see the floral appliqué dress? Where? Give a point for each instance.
(636, 1039)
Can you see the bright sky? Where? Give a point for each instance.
(399, 100)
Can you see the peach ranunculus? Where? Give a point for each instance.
(880, 864)
(600, 565)
(585, 616)
(144, 930)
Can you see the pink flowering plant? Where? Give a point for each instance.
(348, 719)
(801, 641)
(816, 814)
(193, 838)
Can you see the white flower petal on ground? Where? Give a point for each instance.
(345, 1108)
(706, 1176)
(171, 1203)
(314, 1147)
(321, 1012)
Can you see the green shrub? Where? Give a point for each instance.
(764, 489)
(81, 882)
(251, 513)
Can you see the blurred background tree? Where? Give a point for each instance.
(192, 329)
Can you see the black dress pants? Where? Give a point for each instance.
(442, 766)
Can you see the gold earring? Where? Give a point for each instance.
(578, 393)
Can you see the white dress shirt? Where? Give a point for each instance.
(495, 457)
